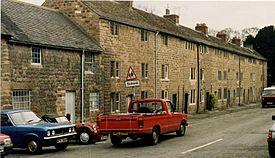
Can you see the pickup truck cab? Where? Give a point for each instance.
(26, 130)
(147, 119)
(268, 97)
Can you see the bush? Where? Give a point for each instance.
(213, 101)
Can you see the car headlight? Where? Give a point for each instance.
(48, 133)
(7, 141)
(70, 130)
(73, 130)
(53, 132)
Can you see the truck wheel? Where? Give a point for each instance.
(61, 146)
(115, 140)
(182, 129)
(84, 137)
(154, 137)
(33, 146)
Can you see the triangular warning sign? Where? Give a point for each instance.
(131, 74)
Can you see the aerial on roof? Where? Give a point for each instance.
(118, 12)
(31, 24)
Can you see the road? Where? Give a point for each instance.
(233, 135)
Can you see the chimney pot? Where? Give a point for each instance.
(202, 27)
(236, 41)
(222, 36)
(167, 12)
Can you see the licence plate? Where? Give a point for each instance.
(1, 149)
(269, 103)
(62, 140)
(120, 133)
(103, 137)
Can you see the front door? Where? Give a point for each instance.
(70, 105)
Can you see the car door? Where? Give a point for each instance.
(173, 120)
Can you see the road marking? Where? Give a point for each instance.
(199, 147)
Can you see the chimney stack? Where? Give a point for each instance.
(202, 27)
(172, 17)
(222, 36)
(248, 45)
(128, 3)
(236, 41)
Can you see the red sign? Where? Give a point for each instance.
(131, 74)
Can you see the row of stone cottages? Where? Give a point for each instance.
(74, 58)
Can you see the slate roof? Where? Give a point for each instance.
(115, 11)
(31, 24)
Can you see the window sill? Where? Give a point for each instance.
(165, 80)
(89, 72)
(36, 65)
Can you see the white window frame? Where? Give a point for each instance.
(192, 74)
(144, 35)
(114, 28)
(164, 94)
(89, 62)
(165, 72)
(117, 71)
(192, 96)
(117, 96)
(36, 56)
(94, 101)
(21, 100)
(220, 93)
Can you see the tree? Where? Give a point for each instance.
(264, 43)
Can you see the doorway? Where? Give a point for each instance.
(70, 105)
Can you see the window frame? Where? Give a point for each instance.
(165, 72)
(36, 57)
(92, 102)
(89, 64)
(22, 98)
(114, 28)
(144, 35)
(164, 39)
(192, 74)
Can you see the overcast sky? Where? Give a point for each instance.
(216, 14)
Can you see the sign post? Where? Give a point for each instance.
(132, 81)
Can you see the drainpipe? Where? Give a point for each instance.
(239, 80)
(82, 86)
(156, 64)
(198, 78)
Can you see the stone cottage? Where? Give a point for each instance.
(48, 64)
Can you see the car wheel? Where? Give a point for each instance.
(271, 151)
(33, 146)
(154, 137)
(84, 137)
(182, 129)
(115, 140)
(61, 146)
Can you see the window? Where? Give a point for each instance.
(164, 71)
(21, 99)
(144, 35)
(219, 75)
(94, 101)
(115, 69)
(164, 94)
(144, 94)
(237, 76)
(192, 96)
(201, 74)
(219, 93)
(5, 121)
(164, 39)
(36, 55)
(192, 73)
(89, 62)
(225, 93)
(115, 102)
(144, 71)
(114, 28)
(201, 96)
(225, 75)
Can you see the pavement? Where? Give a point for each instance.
(217, 112)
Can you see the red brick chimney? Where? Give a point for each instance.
(222, 36)
(202, 27)
(172, 17)
(236, 41)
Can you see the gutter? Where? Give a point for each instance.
(82, 85)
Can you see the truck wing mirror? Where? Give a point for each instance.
(273, 117)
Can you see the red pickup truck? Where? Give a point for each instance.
(147, 119)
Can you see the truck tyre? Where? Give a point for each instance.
(115, 140)
(33, 146)
(154, 137)
(84, 137)
(61, 146)
(182, 129)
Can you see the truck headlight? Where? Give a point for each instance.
(48, 133)
(53, 132)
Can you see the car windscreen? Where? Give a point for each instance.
(25, 117)
(269, 92)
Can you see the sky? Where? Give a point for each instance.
(217, 15)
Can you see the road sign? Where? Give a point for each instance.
(131, 74)
(132, 83)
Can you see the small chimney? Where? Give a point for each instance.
(222, 36)
(236, 41)
(173, 17)
(128, 3)
(248, 45)
(202, 27)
